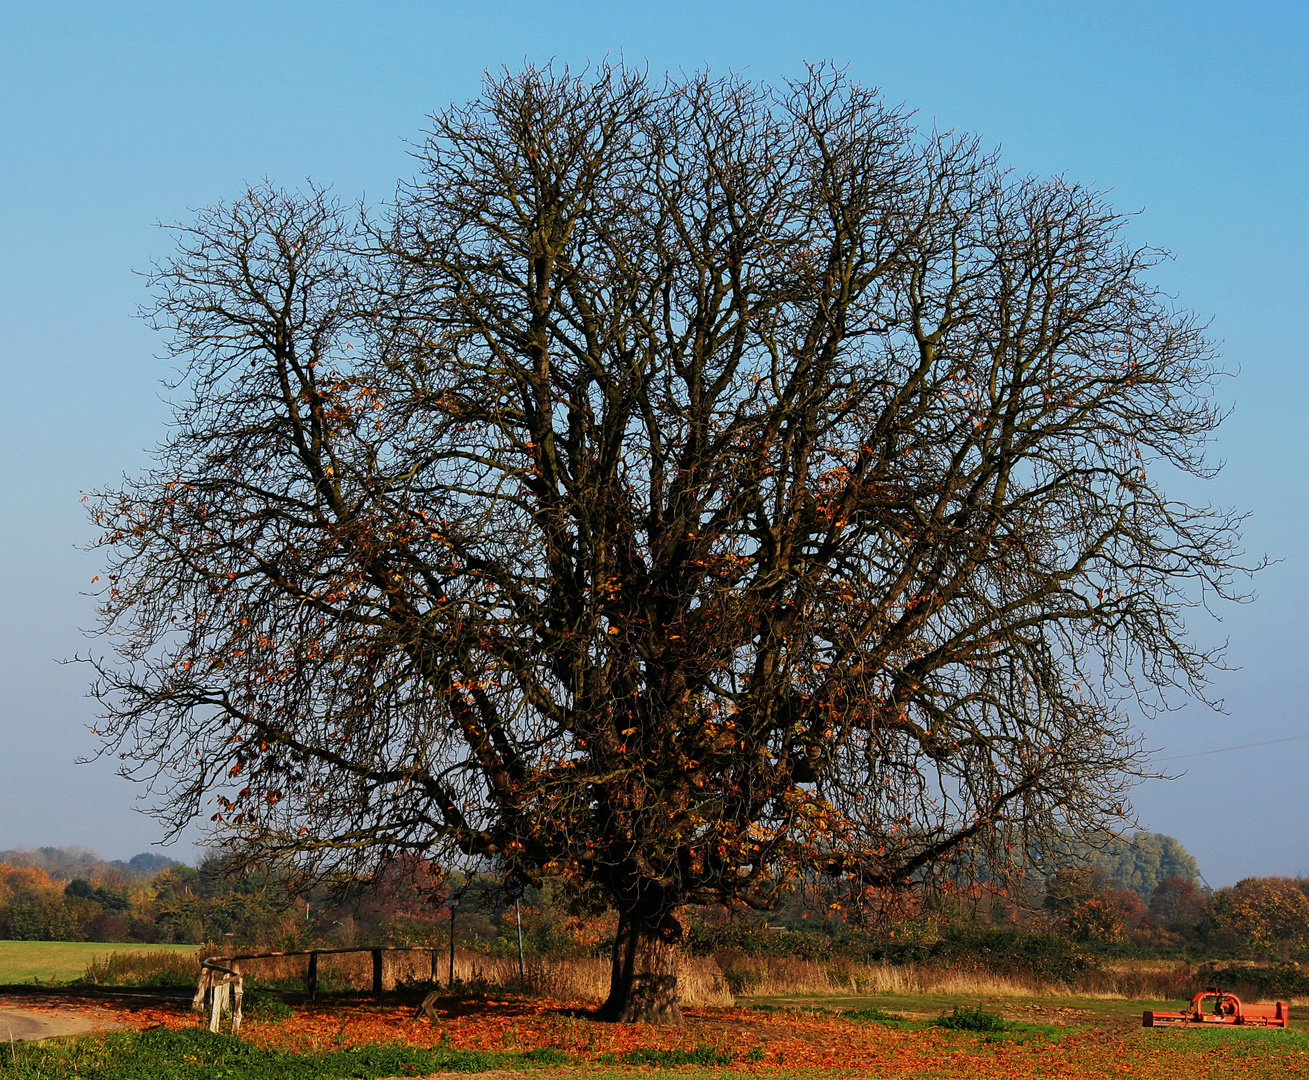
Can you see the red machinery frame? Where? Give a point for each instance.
(1228, 1009)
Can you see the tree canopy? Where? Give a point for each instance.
(680, 486)
(1143, 862)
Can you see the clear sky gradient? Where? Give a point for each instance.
(116, 116)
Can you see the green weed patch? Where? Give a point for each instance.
(197, 1054)
(872, 1015)
(701, 1055)
(261, 1005)
(975, 1019)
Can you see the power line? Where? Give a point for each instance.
(1229, 749)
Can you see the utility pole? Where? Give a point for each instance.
(522, 968)
(450, 983)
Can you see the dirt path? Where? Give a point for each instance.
(25, 1024)
(41, 1013)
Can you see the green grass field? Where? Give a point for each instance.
(63, 961)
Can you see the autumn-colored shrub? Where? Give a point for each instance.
(1176, 898)
(757, 939)
(1264, 916)
(549, 930)
(1279, 982)
(44, 918)
(1090, 909)
(1044, 956)
(32, 906)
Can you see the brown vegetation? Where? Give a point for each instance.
(720, 980)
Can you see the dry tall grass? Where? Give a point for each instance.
(159, 967)
(785, 977)
(700, 980)
(708, 981)
(717, 980)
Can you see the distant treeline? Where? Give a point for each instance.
(1139, 894)
(75, 862)
(56, 894)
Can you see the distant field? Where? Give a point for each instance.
(63, 961)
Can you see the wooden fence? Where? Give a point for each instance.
(222, 983)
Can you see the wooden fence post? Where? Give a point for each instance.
(311, 978)
(202, 991)
(220, 995)
(238, 992)
(377, 971)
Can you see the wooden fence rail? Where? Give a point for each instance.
(222, 983)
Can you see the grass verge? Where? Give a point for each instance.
(196, 1054)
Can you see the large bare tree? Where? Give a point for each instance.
(682, 486)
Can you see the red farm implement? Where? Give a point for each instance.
(1227, 1009)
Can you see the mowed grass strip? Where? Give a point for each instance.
(195, 1054)
(64, 961)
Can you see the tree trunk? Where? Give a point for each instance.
(643, 982)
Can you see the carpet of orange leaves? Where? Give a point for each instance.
(789, 1041)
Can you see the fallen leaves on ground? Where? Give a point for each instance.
(789, 1040)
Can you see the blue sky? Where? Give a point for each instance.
(116, 116)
